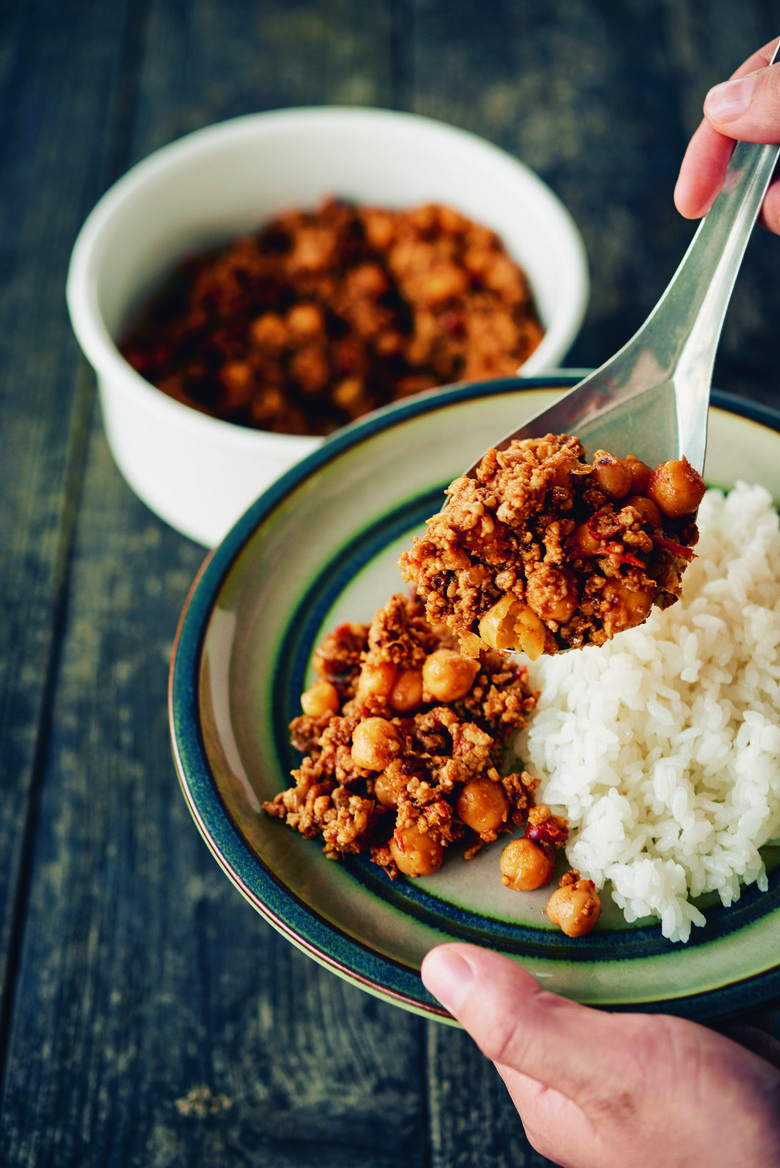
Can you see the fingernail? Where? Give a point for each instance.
(448, 977)
(729, 100)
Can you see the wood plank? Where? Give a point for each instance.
(206, 62)
(45, 406)
(473, 1120)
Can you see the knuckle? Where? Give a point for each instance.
(501, 1041)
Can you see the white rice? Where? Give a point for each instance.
(663, 746)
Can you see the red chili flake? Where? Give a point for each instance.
(550, 831)
(677, 549)
(630, 558)
(603, 525)
(453, 323)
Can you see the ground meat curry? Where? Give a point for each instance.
(543, 551)
(403, 741)
(326, 314)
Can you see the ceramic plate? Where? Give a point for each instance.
(320, 547)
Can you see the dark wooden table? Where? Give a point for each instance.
(149, 1017)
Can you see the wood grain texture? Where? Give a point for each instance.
(46, 400)
(149, 1017)
(204, 62)
(473, 1120)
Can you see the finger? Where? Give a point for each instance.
(770, 211)
(704, 165)
(702, 172)
(515, 1023)
(747, 108)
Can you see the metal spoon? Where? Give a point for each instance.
(651, 398)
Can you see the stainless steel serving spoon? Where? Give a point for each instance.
(651, 399)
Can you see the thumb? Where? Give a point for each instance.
(520, 1026)
(747, 108)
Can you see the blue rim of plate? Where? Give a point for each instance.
(345, 955)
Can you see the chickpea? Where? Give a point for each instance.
(306, 320)
(269, 332)
(416, 853)
(511, 624)
(390, 785)
(470, 644)
(497, 626)
(379, 227)
(309, 366)
(376, 680)
(552, 593)
(627, 607)
(647, 509)
(583, 542)
(640, 473)
(368, 280)
(446, 676)
(526, 865)
(611, 475)
(237, 378)
(375, 743)
(406, 693)
(349, 395)
(574, 906)
(530, 633)
(442, 281)
(676, 487)
(321, 698)
(483, 805)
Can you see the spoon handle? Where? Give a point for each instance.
(699, 292)
(683, 330)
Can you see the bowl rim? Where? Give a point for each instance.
(81, 296)
(346, 956)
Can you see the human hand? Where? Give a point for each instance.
(602, 1090)
(747, 107)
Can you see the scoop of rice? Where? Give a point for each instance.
(663, 746)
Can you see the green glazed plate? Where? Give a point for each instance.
(320, 547)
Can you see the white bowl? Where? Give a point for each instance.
(198, 473)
